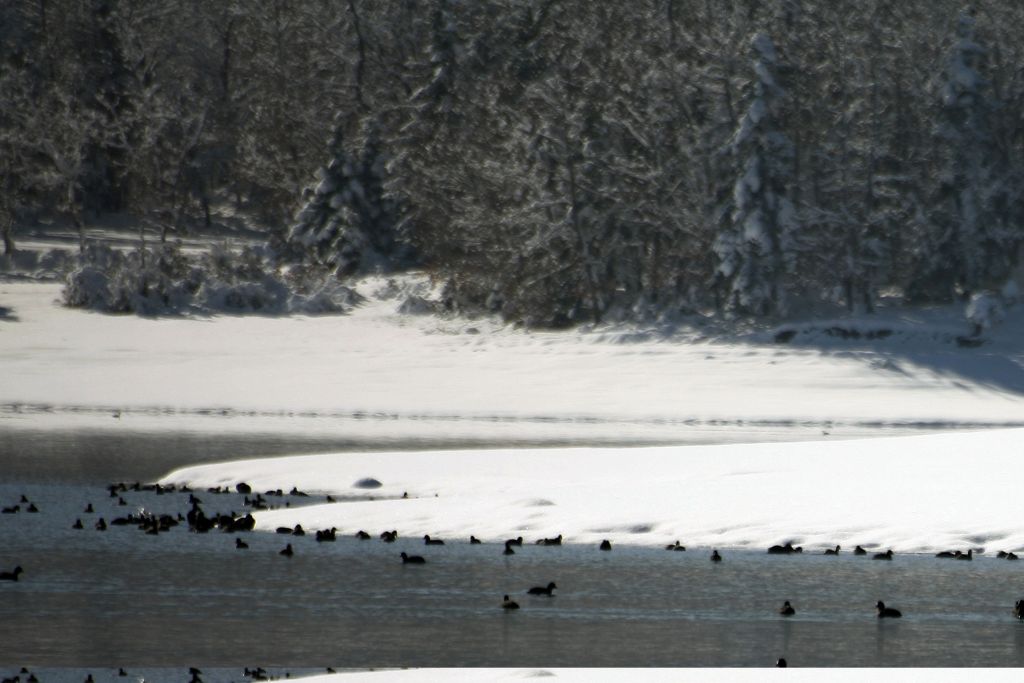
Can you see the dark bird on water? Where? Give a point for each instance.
(715, 557)
(859, 551)
(240, 544)
(781, 662)
(543, 590)
(287, 552)
(12, 576)
(413, 559)
(427, 540)
(887, 612)
(1018, 609)
(787, 609)
(833, 552)
(786, 549)
(473, 540)
(675, 546)
(509, 603)
(887, 555)
(605, 545)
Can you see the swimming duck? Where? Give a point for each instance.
(88, 509)
(101, 525)
(427, 540)
(715, 557)
(786, 549)
(284, 530)
(887, 612)
(298, 530)
(969, 555)
(830, 551)
(781, 663)
(1018, 609)
(11, 576)
(508, 549)
(859, 551)
(605, 545)
(412, 559)
(362, 535)
(887, 555)
(78, 524)
(543, 590)
(787, 609)
(13, 509)
(675, 546)
(557, 540)
(473, 540)
(389, 536)
(508, 603)
(287, 552)
(947, 554)
(240, 544)
(514, 541)
(1011, 556)
(32, 508)
(324, 535)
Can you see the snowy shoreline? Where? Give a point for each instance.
(436, 374)
(913, 494)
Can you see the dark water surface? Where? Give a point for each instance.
(122, 598)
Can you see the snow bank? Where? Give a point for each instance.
(425, 376)
(913, 494)
(729, 675)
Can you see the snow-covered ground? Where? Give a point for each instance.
(651, 675)
(381, 374)
(912, 494)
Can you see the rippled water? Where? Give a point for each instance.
(122, 598)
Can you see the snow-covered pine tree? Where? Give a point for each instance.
(347, 223)
(970, 227)
(755, 244)
(318, 234)
(426, 170)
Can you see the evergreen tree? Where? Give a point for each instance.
(756, 245)
(972, 229)
(347, 223)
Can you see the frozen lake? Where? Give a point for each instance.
(120, 597)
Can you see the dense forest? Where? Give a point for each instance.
(554, 161)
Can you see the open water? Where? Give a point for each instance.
(119, 597)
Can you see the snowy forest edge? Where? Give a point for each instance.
(549, 162)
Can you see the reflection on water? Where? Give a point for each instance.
(119, 597)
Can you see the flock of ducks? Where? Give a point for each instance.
(255, 674)
(199, 522)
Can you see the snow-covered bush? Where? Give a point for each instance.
(164, 280)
